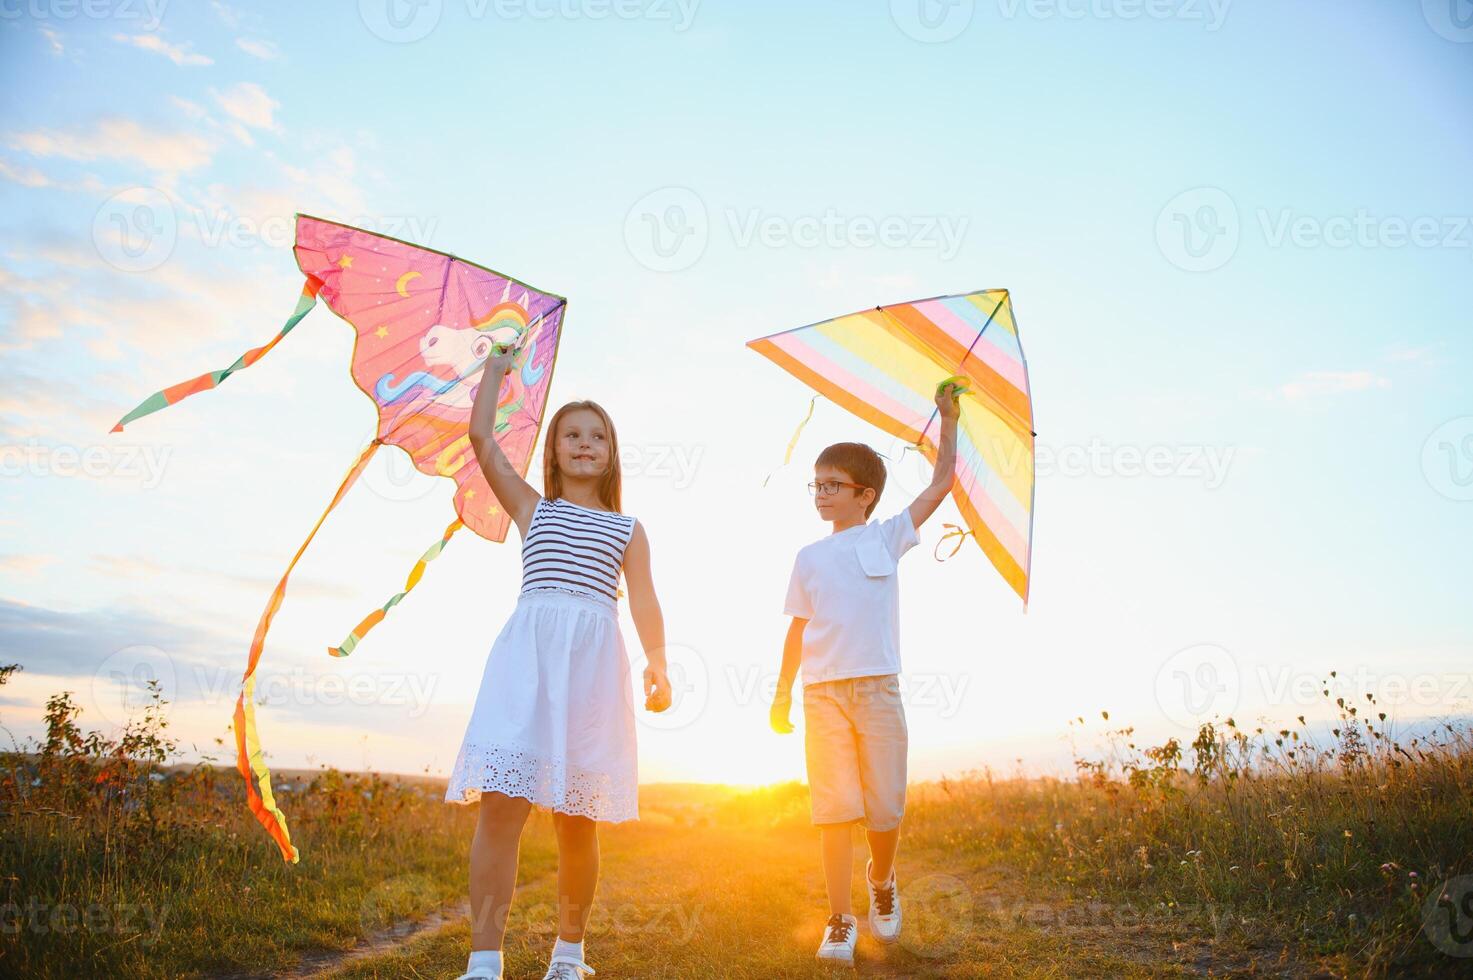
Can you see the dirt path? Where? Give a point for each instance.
(406, 932)
(689, 903)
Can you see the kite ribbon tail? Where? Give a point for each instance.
(248, 756)
(375, 617)
(177, 393)
(952, 531)
(793, 442)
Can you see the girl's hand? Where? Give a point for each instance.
(500, 359)
(656, 689)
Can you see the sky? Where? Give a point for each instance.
(1239, 243)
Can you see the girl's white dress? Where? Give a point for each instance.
(554, 720)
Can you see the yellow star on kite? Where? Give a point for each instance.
(469, 494)
(493, 510)
(381, 332)
(345, 262)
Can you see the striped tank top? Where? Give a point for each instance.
(572, 548)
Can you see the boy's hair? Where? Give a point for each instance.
(862, 463)
(610, 485)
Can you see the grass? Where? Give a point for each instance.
(1273, 853)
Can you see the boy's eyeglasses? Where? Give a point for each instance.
(830, 487)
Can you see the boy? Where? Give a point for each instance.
(844, 601)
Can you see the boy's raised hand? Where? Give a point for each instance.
(948, 398)
(778, 717)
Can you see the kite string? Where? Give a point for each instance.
(959, 363)
(413, 407)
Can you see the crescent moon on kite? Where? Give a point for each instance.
(403, 282)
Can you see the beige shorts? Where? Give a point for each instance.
(856, 740)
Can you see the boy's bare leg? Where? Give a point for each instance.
(838, 866)
(882, 847)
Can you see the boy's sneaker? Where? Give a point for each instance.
(884, 907)
(838, 940)
(567, 968)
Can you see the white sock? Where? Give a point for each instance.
(564, 948)
(485, 958)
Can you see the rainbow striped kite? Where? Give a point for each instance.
(424, 323)
(884, 365)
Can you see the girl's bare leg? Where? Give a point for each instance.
(494, 866)
(577, 873)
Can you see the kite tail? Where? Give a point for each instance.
(177, 393)
(249, 759)
(375, 617)
(952, 531)
(793, 442)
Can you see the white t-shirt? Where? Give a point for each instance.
(847, 588)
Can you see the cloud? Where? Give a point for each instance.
(25, 565)
(33, 178)
(1426, 355)
(248, 104)
(76, 643)
(256, 48)
(177, 53)
(24, 176)
(53, 39)
(116, 138)
(1313, 384)
(143, 569)
(109, 312)
(228, 15)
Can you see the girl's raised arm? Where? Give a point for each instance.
(514, 493)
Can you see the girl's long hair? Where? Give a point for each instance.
(610, 485)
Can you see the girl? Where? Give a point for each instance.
(553, 723)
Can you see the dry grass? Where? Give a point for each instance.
(1244, 853)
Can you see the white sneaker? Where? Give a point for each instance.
(884, 907)
(481, 973)
(567, 968)
(838, 940)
